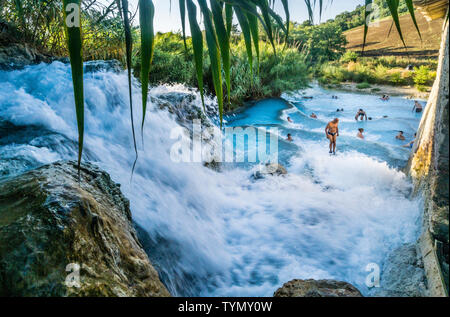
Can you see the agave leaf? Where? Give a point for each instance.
(254, 30)
(214, 55)
(224, 42)
(146, 17)
(393, 8)
(288, 16)
(366, 23)
(243, 22)
(265, 11)
(183, 21)
(410, 5)
(128, 47)
(229, 17)
(75, 47)
(197, 43)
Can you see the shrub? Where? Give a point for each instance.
(349, 56)
(396, 78)
(423, 76)
(363, 85)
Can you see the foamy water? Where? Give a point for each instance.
(225, 233)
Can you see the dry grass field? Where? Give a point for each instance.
(380, 44)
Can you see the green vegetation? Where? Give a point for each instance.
(286, 71)
(104, 28)
(383, 70)
(320, 43)
(363, 85)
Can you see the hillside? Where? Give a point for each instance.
(379, 44)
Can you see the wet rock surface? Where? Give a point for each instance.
(50, 222)
(403, 274)
(15, 55)
(317, 288)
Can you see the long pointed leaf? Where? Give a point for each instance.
(393, 8)
(410, 5)
(146, 16)
(197, 43)
(366, 23)
(254, 30)
(75, 47)
(243, 22)
(128, 47)
(224, 42)
(229, 17)
(183, 21)
(214, 55)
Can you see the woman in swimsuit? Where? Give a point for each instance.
(361, 114)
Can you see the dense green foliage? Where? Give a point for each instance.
(40, 23)
(286, 71)
(323, 42)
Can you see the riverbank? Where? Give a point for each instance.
(375, 89)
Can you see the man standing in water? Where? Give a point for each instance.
(332, 132)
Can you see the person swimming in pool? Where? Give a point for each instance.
(290, 120)
(400, 136)
(289, 138)
(411, 144)
(417, 106)
(360, 133)
(313, 115)
(332, 132)
(360, 115)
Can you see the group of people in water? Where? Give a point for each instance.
(332, 128)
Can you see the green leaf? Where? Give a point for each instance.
(197, 43)
(146, 17)
(243, 22)
(183, 21)
(229, 17)
(366, 23)
(224, 42)
(393, 8)
(128, 46)
(288, 16)
(410, 5)
(214, 55)
(75, 47)
(254, 30)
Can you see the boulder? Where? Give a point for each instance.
(317, 288)
(64, 234)
(270, 170)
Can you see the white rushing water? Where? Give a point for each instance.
(217, 233)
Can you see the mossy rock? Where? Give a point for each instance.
(49, 219)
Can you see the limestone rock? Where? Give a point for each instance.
(270, 169)
(50, 222)
(320, 288)
(403, 274)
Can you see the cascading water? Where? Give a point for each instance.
(224, 233)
